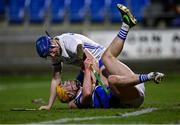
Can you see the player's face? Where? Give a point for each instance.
(67, 90)
(71, 87)
(54, 51)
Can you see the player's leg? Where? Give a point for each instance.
(134, 79)
(130, 97)
(128, 21)
(109, 57)
(122, 74)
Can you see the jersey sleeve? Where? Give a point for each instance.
(71, 43)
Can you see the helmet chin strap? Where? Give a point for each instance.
(47, 33)
(60, 50)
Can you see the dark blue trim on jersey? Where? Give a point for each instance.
(89, 46)
(86, 45)
(101, 63)
(77, 100)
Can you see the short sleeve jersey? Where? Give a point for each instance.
(69, 43)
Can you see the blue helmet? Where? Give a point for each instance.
(43, 45)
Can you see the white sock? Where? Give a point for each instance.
(123, 31)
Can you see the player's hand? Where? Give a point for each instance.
(45, 107)
(88, 63)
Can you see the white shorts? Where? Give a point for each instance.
(141, 89)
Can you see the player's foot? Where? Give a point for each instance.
(127, 17)
(156, 76)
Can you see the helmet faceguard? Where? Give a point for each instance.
(68, 90)
(43, 44)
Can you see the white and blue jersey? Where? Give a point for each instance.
(69, 42)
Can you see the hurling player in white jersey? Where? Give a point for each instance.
(71, 42)
(66, 48)
(69, 48)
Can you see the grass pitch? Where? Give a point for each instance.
(18, 91)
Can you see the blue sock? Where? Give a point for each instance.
(123, 31)
(143, 78)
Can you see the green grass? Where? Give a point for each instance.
(18, 91)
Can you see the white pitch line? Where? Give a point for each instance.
(128, 114)
(143, 111)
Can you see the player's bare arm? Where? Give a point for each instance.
(80, 51)
(87, 83)
(56, 79)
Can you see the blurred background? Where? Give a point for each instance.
(154, 44)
